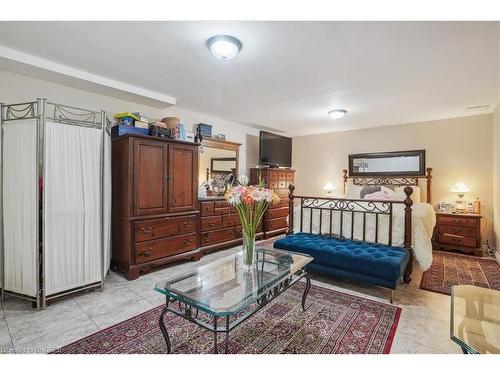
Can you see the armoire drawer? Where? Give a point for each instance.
(274, 224)
(211, 223)
(275, 213)
(151, 250)
(216, 236)
(159, 228)
(458, 231)
(457, 240)
(457, 221)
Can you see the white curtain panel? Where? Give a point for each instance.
(73, 207)
(107, 202)
(20, 185)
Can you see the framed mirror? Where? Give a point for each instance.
(218, 160)
(398, 163)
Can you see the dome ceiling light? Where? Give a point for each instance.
(337, 113)
(224, 47)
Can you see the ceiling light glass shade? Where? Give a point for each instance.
(224, 47)
(460, 187)
(337, 113)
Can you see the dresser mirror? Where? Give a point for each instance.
(218, 161)
(399, 163)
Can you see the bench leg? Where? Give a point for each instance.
(392, 295)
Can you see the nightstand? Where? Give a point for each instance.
(458, 232)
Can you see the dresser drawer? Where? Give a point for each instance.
(207, 208)
(230, 220)
(457, 221)
(216, 236)
(273, 175)
(211, 223)
(282, 175)
(171, 226)
(282, 185)
(282, 203)
(151, 250)
(458, 231)
(275, 213)
(238, 230)
(289, 176)
(273, 184)
(449, 239)
(274, 224)
(221, 204)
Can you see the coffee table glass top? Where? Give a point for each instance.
(475, 319)
(225, 287)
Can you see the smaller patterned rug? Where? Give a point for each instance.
(453, 269)
(333, 322)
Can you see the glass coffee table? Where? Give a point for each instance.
(475, 319)
(222, 294)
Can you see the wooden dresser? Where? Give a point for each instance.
(461, 232)
(154, 204)
(275, 220)
(220, 225)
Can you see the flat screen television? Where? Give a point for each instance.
(275, 150)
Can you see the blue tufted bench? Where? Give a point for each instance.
(350, 259)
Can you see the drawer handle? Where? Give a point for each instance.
(146, 229)
(188, 241)
(187, 224)
(212, 223)
(206, 236)
(456, 240)
(146, 252)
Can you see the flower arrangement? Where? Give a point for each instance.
(251, 202)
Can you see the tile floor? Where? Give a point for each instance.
(423, 326)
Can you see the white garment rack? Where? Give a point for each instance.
(28, 268)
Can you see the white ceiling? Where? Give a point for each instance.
(288, 74)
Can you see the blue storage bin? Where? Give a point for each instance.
(119, 130)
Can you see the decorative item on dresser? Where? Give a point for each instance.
(459, 232)
(155, 205)
(275, 220)
(220, 225)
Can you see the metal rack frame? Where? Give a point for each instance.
(43, 110)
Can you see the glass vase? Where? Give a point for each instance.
(248, 251)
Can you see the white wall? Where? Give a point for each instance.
(457, 149)
(496, 177)
(16, 88)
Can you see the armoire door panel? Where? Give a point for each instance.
(182, 182)
(150, 175)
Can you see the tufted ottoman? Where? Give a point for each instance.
(349, 259)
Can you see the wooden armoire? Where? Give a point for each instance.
(155, 205)
(275, 220)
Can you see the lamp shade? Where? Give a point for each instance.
(460, 187)
(329, 186)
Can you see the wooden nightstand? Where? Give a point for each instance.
(459, 232)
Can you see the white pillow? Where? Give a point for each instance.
(353, 191)
(415, 196)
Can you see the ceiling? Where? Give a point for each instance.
(288, 75)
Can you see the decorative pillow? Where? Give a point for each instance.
(380, 196)
(370, 189)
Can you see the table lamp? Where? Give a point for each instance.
(329, 187)
(460, 188)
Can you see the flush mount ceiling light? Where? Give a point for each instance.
(337, 113)
(224, 47)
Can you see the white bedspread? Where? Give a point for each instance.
(423, 222)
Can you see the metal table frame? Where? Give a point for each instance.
(189, 312)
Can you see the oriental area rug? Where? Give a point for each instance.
(453, 269)
(334, 322)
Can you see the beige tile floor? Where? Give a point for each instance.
(423, 326)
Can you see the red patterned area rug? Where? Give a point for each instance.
(453, 269)
(333, 322)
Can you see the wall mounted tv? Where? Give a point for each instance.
(275, 150)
